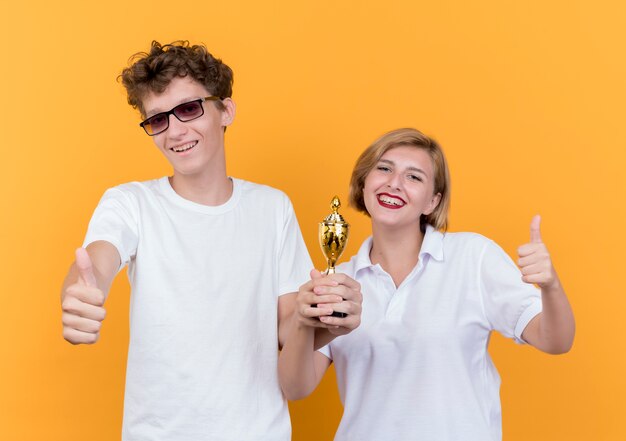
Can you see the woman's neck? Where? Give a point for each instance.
(396, 251)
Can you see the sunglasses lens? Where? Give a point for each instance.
(189, 111)
(156, 124)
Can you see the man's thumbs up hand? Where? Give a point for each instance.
(82, 303)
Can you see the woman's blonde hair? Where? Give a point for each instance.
(409, 138)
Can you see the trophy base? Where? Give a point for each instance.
(331, 270)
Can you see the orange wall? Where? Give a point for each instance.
(527, 98)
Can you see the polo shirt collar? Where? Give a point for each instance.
(363, 256)
(432, 245)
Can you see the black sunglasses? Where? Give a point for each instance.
(160, 122)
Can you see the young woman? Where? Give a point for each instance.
(417, 367)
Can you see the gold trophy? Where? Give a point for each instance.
(333, 235)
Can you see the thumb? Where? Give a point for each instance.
(315, 274)
(85, 268)
(535, 233)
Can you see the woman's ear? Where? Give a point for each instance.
(434, 202)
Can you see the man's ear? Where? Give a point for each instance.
(228, 113)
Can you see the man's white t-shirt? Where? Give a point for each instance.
(417, 368)
(205, 282)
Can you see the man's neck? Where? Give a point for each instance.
(207, 189)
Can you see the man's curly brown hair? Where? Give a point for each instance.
(153, 71)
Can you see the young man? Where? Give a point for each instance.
(209, 258)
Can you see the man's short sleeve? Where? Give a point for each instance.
(509, 302)
(115, 220)
(293, 260)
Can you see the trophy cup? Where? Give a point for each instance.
(333, 235)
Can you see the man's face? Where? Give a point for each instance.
(195, 147)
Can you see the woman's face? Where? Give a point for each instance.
(399, 189)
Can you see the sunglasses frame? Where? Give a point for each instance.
(172, 111)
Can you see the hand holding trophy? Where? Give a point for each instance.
(333, 236)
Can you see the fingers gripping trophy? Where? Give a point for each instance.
(333, 236)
